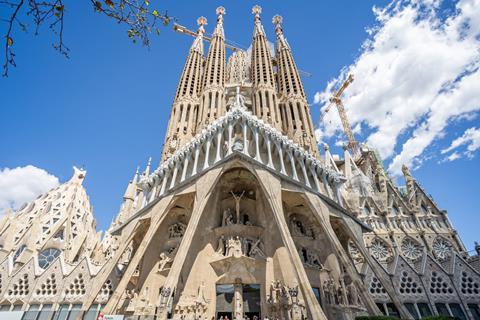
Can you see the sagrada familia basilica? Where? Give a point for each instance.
(245, 218)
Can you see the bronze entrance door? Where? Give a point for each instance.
(251, 301)
(238, 300)
(224, 303)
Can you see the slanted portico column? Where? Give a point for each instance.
(203, 192)
(158, 214)
(315, 205)
(271, 186)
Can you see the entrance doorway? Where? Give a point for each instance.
(250, 304)
(251, 301)
(224, 303)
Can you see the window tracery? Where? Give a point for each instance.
(469, 285)
(47, 256)
(442, 249)
(380, 251)
(408, 285)
(411, 249)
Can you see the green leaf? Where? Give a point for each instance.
(9, 41)
(157, 31)
(109, 3)
(147, 2)
(59, 8)
(98, 5)
(155, 13)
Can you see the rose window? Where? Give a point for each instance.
(379, 250)
(411, 249)
(47, 256)
(442, 249)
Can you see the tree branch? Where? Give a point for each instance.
(140, 20)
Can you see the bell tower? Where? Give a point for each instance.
(182, 122)
(212, 103)
(264, 98)
(296, 118)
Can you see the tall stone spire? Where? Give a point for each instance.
(263, 79)
(212, 103)
(182, 123)
(295, 112)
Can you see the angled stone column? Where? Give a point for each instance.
(108, 268)
(315, 204)
(204, 187)
(271, 185)
(159, 211)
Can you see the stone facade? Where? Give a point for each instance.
(244, 217)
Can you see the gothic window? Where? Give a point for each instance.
(107, 288)
(442, 249)
(19, 252)
(49, 287)
(411, 249)
(376, 287)
(438, 285)
(424, 309)
(47, 256)
(77, 287)
(475, 310)
(20, 288)
(380, 251)
(408, 285)
(366, 210)
(457, 311)
(469, 286)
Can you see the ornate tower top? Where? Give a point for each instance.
(256, 10)
(277, 20)
(297, 122)
(201, 21)
(220, 11)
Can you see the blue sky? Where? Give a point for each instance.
(106, 108)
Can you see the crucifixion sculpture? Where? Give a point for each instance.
(237, 198)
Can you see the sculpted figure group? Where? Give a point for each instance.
(340, 294)
(238, 246)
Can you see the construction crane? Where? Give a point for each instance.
(181, 29)
(232, 46)
(335, 100)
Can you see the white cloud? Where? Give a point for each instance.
(417, 72)
(470, 138)
(23, 184)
